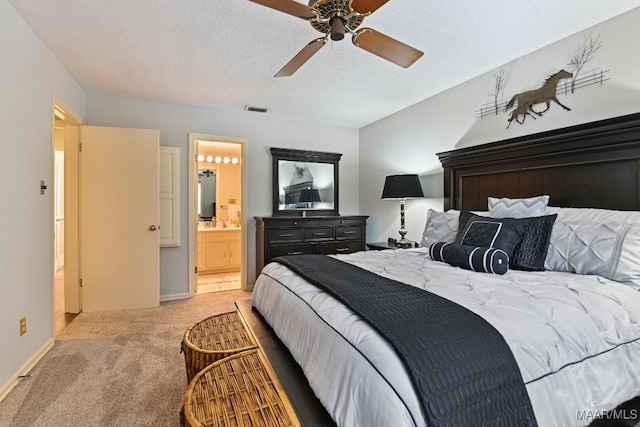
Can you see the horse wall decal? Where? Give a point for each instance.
(546, 93)
(520, 110)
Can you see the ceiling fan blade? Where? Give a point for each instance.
(303, 56)
(385, 47)
(289, 6)
(367, 6)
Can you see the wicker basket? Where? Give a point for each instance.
(214, 338)
(240, 390)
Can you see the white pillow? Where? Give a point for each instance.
(609, 250)
(440, 227)
(593, 215)
(518, 208)
(628, 269)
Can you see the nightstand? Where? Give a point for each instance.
(379, 246)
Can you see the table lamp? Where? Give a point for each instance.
(402, 187)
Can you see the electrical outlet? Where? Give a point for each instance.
(23, 326)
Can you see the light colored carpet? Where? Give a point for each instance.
(114, 368)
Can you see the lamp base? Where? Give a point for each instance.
(403, 232)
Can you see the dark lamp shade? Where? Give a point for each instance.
(309, 195)
(402, 187)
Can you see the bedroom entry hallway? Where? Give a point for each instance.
(65, 218)
(217, 221)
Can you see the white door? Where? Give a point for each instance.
(119, 244)
(72, 291)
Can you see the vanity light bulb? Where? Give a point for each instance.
(201, 157)
(226, 160)
(209, 159)
(235, 160)
(218, 159)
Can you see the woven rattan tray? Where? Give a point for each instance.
(239, 390)
(214, 338)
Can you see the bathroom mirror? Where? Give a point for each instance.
(206, 194)
(305, 182)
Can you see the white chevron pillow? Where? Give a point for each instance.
(518, 208)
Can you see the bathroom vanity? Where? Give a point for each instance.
(219, 250)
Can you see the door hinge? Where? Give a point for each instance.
(196, 269)
(80, 282)
(80, 146)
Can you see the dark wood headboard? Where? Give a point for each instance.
(591, 165)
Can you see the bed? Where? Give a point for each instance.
(574, 330)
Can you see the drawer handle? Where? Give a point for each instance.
(294, 253)
(285, 235)
(342, 250)
(319, 233)
(350, 232)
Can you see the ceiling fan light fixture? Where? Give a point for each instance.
(337, 28)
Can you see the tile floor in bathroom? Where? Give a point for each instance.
(218, 282)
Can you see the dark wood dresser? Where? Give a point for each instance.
(277, 235)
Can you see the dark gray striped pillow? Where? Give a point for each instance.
(486, 260)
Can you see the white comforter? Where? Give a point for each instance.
(576, 338)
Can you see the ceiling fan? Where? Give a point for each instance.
(334, 18)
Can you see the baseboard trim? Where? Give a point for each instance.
(173, 297)
(26, 368)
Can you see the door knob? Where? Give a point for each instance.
(152, 228)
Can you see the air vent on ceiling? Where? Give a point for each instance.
(255, 109)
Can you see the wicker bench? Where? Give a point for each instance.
(239, 390)
(214, 338)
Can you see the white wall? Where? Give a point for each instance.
(30, 77)
(409, 140)
(261, 131)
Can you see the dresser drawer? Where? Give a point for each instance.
(347, 232)
(344, 247)
(318, 233)
(285, 235)
(299, 249)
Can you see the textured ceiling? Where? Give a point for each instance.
(224, 53)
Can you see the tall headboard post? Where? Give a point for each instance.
(590, 165)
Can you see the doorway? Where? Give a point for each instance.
(218, 244)
(66, 302)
